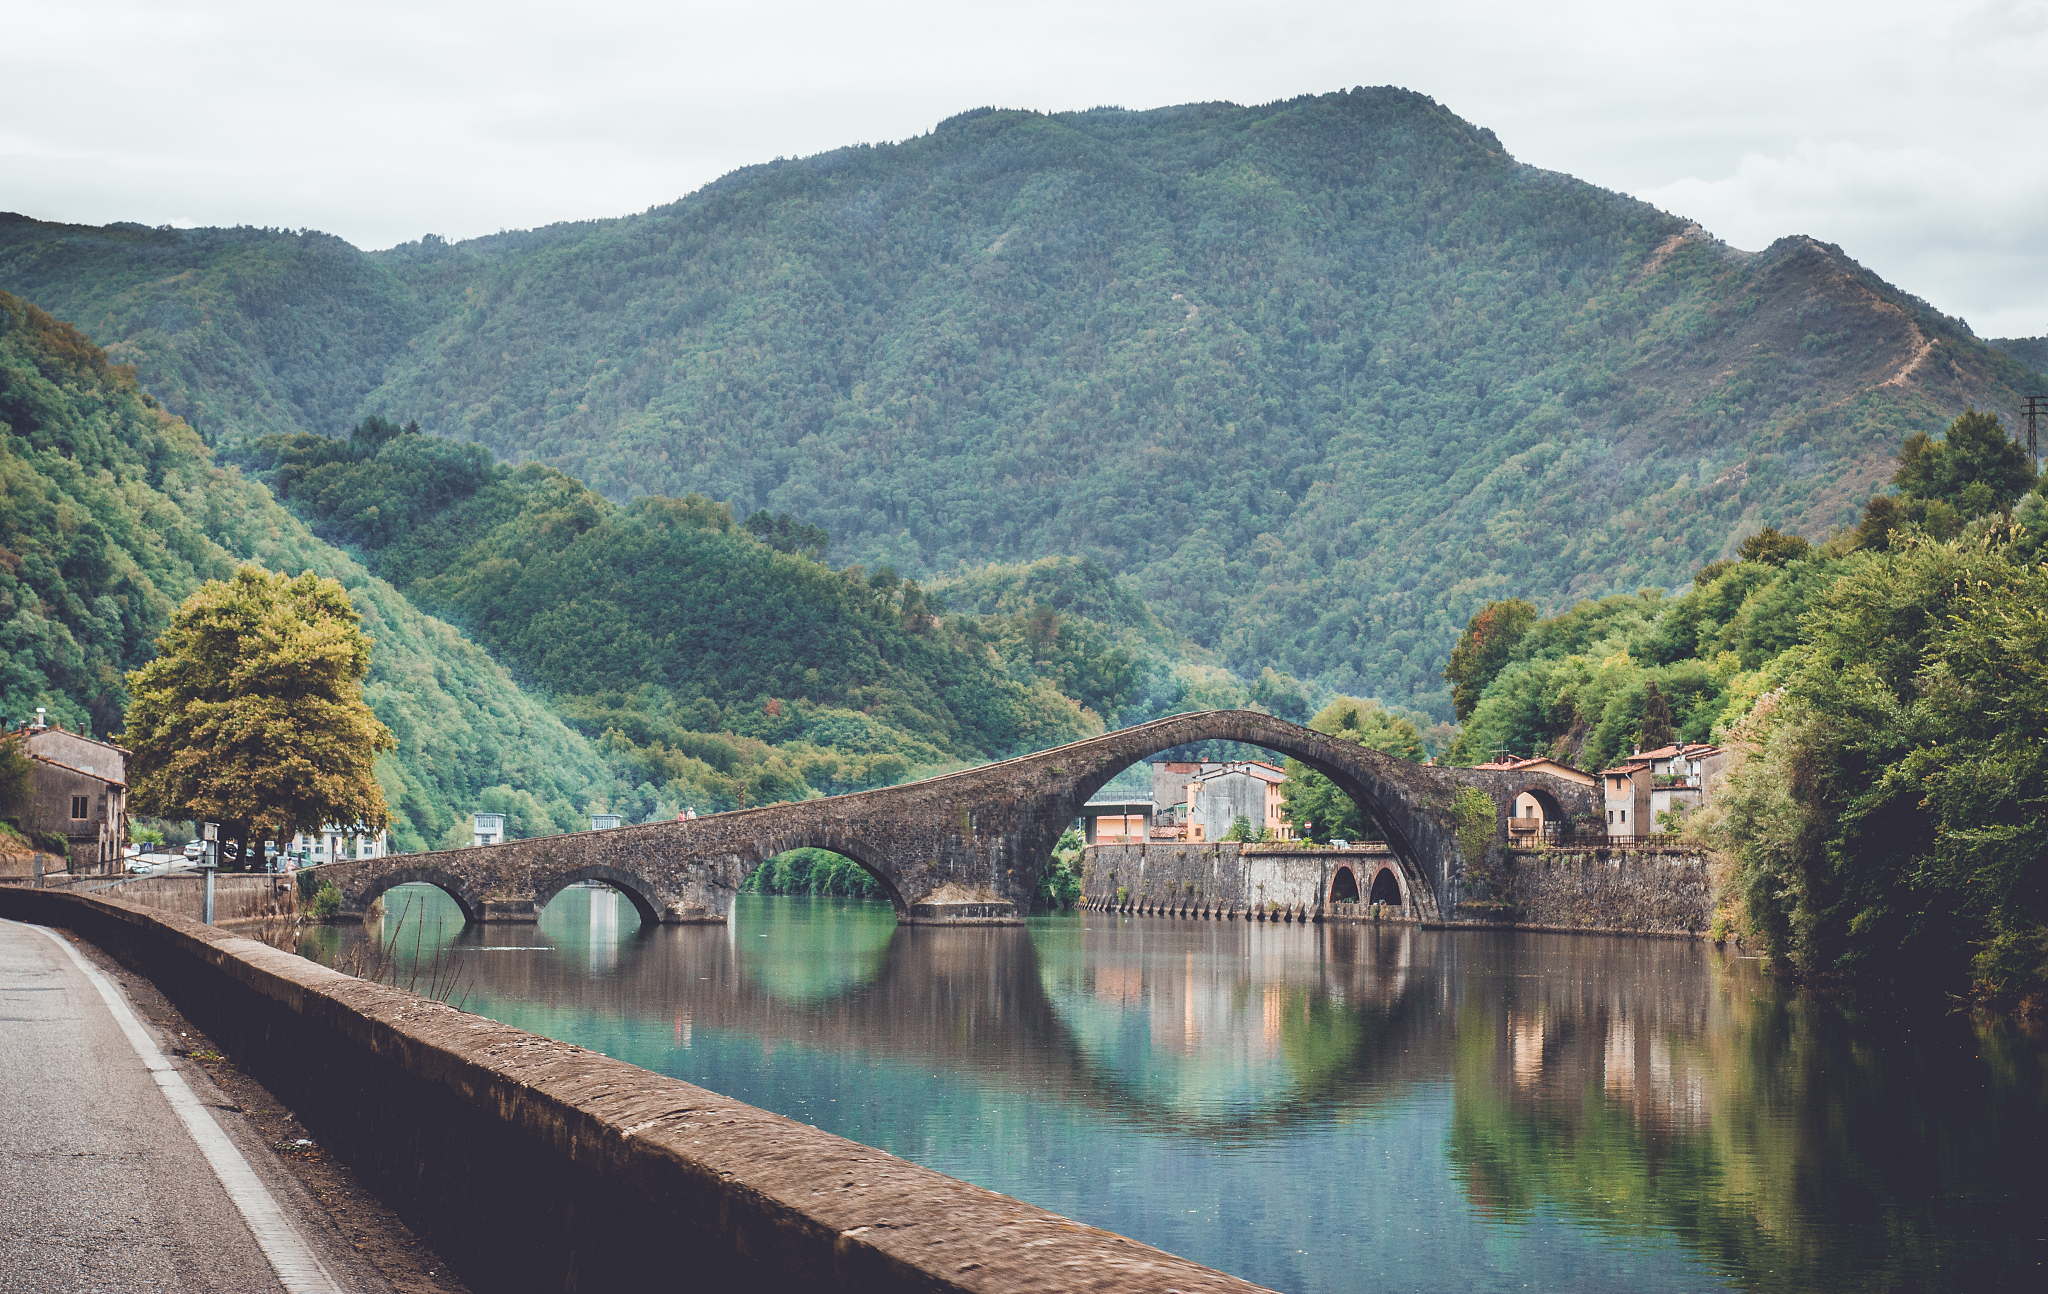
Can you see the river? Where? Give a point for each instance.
(1326, 1108)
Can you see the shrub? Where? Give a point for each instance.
(327, 900)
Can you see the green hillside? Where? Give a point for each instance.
(725, 656)
(112, 512)
(1319, 377)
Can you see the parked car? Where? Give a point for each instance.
(195, 849)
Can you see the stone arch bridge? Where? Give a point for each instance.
(966, 847)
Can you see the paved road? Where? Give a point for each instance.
(115, 1174)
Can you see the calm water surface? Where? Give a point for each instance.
(1330, 1108)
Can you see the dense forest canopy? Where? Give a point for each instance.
(1320, 377)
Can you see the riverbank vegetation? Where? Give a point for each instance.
(1886, 696)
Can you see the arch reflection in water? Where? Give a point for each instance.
(1325, 1108)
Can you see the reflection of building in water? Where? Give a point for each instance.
(1528, 1050)
(1557, 1038)
(604, 930)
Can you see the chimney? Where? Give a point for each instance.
(41, 721)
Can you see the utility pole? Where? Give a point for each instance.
(211, 861)
(2036, 406)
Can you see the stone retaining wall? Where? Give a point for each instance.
(534, 1165)
(236, 896)
(1645, 891)
(1622, 890)
(1250, 880)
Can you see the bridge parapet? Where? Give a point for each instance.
(965, 848)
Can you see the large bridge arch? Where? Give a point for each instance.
(968, 846)
(1410, 811)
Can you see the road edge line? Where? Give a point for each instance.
(297, 1266)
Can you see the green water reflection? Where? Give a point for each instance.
(1325, 1108)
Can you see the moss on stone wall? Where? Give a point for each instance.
(1475, 815)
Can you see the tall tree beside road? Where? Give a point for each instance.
(252, 714)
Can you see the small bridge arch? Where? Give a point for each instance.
(625, 882)
(385, 880)
(966, 847)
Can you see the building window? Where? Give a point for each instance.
(80, 807)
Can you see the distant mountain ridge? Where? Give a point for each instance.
(1320, 377)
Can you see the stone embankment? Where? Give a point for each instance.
(1660, 891)
(536, 1165)
(237, 897)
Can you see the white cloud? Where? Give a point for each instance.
(383, 120)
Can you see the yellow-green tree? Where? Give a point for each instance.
(1311, 801)
(252, 714)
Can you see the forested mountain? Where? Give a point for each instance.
(1321, 377)
(2032, 352)
(112, 512)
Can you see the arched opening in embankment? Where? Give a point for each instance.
(1344, 886)
(1534, 815)
(1386, 888)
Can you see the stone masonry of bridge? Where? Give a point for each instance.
(966, 847)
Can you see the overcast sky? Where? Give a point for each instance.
(1913, 134)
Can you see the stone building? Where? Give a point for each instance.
(1532, 818)
(1649, 790)
(1249, 789)
(78, 790)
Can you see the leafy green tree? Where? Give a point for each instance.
(1975, 470)
(785, 534)
(1656, 732)
(1059, 883)
(1484, 649)
(1773, 549)
(252, 714)
(1311, 801)
(1281, 694)
(1892, 820)
(1240, 829)
(16, 781)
